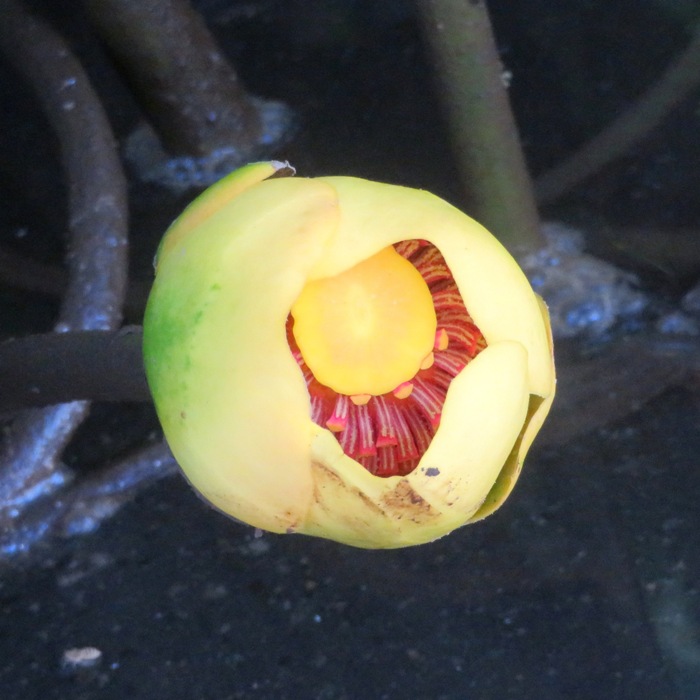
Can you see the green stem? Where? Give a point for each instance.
(483, 130)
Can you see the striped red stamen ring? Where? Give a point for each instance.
(388, 434)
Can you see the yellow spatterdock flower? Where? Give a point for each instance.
(344, 358)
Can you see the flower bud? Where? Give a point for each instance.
(343, 358)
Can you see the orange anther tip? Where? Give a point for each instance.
(403, 390)
(361, 399)
(442, 340)
(336, 426)
(428, 361)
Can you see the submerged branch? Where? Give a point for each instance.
(189, 89)
(29, 463)
(40, 370)
(85, 504)
(25, 273)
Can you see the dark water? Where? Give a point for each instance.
(585, 585)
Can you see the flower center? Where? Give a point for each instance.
(368, 329)
(341, 328)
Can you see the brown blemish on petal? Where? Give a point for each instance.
(403, 500)
(333, 481)
(354, 513)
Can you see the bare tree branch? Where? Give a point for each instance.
(189, 89)
(84, 505)
(29, 463)
(41, 370)
(22, 272)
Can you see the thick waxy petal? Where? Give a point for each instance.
(229, 394)
(537, 412)
(482, 417)
(216, 197)
(494, 289)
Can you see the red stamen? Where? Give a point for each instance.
(384, 423)
(432, 266)
(408, 248)
(385, 463)
(441, 378)
(357, 440)
(392, 429)
(447, 299)
(461, 333)
(451, 361)
(339, 418)
(420, 430)
(429, 399)
(318, 408)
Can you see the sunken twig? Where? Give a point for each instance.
(29, 462)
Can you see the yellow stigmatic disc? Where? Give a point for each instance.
(368, 329)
